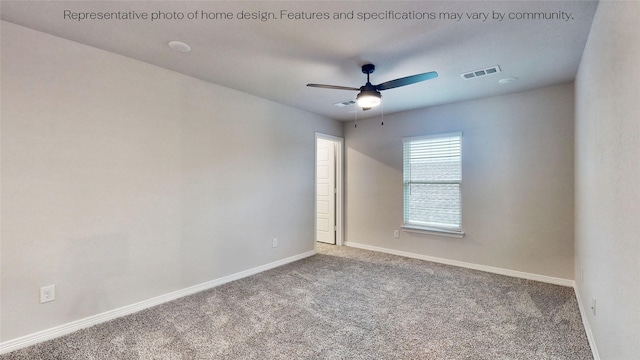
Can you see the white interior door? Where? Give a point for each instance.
(326, 191)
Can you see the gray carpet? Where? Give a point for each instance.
(345, 303)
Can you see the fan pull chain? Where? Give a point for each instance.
(355, 118)
(382, 112)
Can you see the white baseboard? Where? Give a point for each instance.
(491, 269)
(68, 328)
(587, 327)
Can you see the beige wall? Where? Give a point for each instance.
(122, 181)
(517, 181)
(608, 179)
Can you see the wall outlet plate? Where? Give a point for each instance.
(47, 293)
(275, 243)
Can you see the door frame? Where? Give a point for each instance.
(339, 155)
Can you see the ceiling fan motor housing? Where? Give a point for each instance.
(368, 97)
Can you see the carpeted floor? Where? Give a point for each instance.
(345, 303)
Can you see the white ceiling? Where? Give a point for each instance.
(275, 59)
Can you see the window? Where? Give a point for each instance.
(432, 172)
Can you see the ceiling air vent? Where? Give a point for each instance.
(345, 103)
(480, 72)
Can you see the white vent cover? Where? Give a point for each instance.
(480, 72)
(345, 103)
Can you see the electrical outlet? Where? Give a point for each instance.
(47, 293)
(396, 234)
(275, 243)
(593, 306)
(582, 275)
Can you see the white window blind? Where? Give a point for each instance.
(432, 172)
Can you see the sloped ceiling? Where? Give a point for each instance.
(275, 57)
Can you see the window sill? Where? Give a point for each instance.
(433, 231)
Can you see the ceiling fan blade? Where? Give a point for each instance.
(334, 87)
(406, 80)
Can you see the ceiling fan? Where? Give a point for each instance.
(369, 95)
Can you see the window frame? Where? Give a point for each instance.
(410, 226)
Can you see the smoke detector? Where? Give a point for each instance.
(481, 72)
(179, 46)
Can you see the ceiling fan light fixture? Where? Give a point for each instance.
(369, 99)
